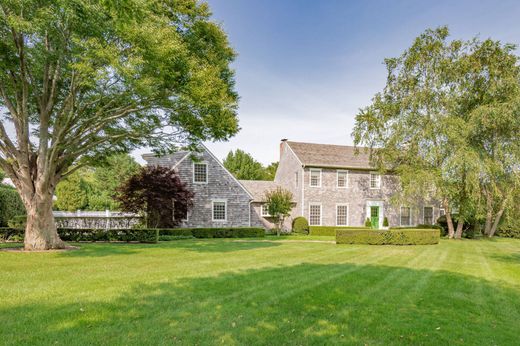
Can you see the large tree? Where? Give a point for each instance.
(80, 80)
(243, 166)
(441, 117)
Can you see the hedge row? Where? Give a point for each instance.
(75, 235)
(329, 230)
(508, 233)
(388, 237)
(228, 232)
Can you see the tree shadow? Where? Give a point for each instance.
(513, 258)
(220, 245)
(103, 249)
(305, 304)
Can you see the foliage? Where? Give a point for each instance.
(329, 230)
(81, 80)
(270, 171)
(279, 204)
(159, 193)
(243, 166)
(468, 230)
(368, 223)
(447, 107)
(10, 204)
(300, 225)
(220, 232)
(18, 222)
(388, 237)
(72, 193)
(385, 222)
(509, 232)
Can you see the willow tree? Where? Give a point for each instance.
(80, 80)
(442, 120)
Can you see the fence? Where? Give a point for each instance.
(95, 219)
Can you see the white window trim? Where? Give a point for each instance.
(401, 215)
(193, 172)
(348, 213)
(310, 176)
(424, 214)
(262, 211)
(442, 209)
(213, 210)
(380, 180)
(347, 183)
(321, 213)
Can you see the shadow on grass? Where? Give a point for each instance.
(513, 258)
(306, 304)
(220, 245)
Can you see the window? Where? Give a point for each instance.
(181, 215)
(428, 215)
(315, 214)
(265, 209)
(406, 219)
(200, 173)
(219, 210)
(342, 179)
(442, 212)
(342, 215)
(375, 180)
(316, 177)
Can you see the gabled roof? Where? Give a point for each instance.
(258, 188)
(329, 155)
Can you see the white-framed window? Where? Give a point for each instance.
(342, 179)
(428, 215)
(315, 214)
(200, 173)
(219, 210)
(406, 216)
(341, 214)
(184, 216)
(442, 212)
(265, 209)
(315, 177)
(375, 180)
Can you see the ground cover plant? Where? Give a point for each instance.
(260, 291)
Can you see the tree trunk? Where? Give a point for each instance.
(495, 224)
(460, 226)
(489, 214)
(40, 231)
(449, 220)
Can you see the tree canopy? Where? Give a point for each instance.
(243, 166)
(447, 122)
(81, 80)
(279, 203)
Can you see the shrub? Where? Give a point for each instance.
(228, 232)
(471, 228)
(329, 230)
(300, 225)
(388, 237)
(18, 222)
(147, 235)
(368, 223)
(12, 234)
(385, 222)
(508, 232)
(10, 204)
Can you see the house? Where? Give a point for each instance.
(336, 186)
(220, 199)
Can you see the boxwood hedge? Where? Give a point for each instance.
(388, 237)
(148, 235)
(329, 230)
(221, 232)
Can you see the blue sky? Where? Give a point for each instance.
(304, 68)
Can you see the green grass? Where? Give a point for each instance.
(227, 292)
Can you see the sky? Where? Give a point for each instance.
(305, 68)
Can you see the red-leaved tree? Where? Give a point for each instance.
(159, 194)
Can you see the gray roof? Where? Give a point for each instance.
(329, 155)
(170, 160)
(258, 188)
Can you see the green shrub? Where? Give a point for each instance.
(385, 222)
(227, 232)
(388, 237)
(329, 230)
(300, 225)
(508, 232)
(10, 204)
(368, 223)
(18, 222)
(76, 235)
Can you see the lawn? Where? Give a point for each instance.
(263, 292)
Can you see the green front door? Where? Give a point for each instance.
(374, 217)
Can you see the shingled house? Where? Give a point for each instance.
(335, 186)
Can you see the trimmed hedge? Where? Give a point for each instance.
(147, 235)
(330, 230)
(300, 225)
(227, 232)
(388, 237)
